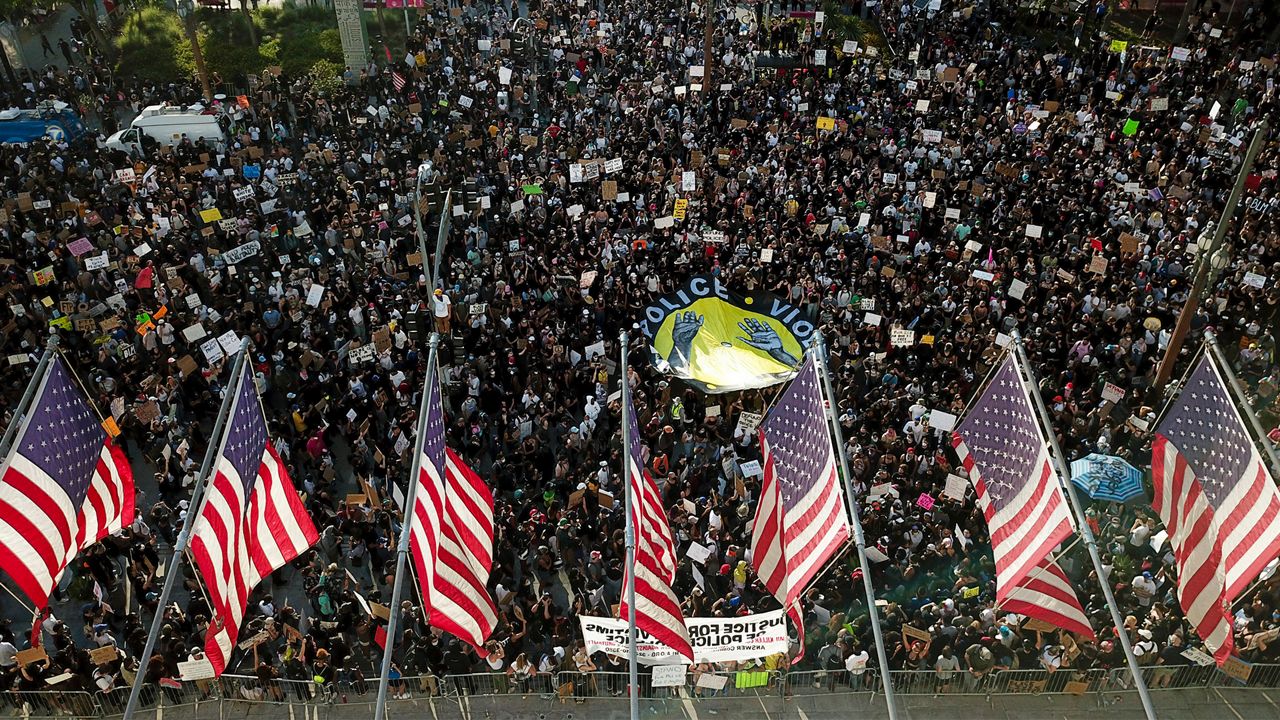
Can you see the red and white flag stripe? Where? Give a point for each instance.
(461, 603)
(657, 610)
(1047, 594)
(1028, 528)
(247, 527)
(1188, 518)
(37, 521)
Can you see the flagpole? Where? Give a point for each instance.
(11, 431)
(402, 552)
(184, 537)
(859, 539)
(1225, 367)
(633, 692)
(1082, 526)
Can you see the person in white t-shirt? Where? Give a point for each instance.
(856, 664)
(441, 307)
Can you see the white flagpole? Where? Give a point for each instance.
(633, 691)
(1237, 389)
(184, 537)
(1082, 523)
(402, 552)
(860, 541)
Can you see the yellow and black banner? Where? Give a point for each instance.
(720, 341)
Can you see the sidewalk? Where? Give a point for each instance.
(23, 43)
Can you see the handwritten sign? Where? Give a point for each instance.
(956, 486)
(925, 501)
(669, 675)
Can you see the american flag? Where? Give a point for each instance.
(1007, 459)
(657, 610)
(800, 520)
(251, 522)
(451, 534)
(1219, 504)
(63, 487)
(397, 80)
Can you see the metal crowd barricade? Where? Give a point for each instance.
(50, 703)
(1263, 676)
(1169, 677)
(114, 701)
(818, 682)
(482, 692)
(571, 685)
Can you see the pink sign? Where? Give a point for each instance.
(80, 247)
(925, 501)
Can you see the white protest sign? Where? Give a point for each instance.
(240, 253)
(942, 420)
(212, 351)
(874, 554)
(613, 165)
(698, 553)
(230, 342)
(902, 337)
(669, 675)
(743, 637)
(748, 422)
(1255, 280)
(200, 669)
(314, 294)
(713, 682)
(1112, 392)
(1016, 289)
(97, 262)
(956, 487)
(688, 181)
(752, 469)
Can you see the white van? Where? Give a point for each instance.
(167, 126)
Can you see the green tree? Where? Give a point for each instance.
(153, 46)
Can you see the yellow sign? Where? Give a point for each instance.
(1119, 46)
(826, 123)
(720, 341)
(111, 427)
(211, 215)
(63, 322)
(681, 206)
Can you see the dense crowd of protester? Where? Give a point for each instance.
(966, 145)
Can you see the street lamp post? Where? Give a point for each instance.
(185, 9)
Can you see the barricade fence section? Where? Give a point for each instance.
(409, 695)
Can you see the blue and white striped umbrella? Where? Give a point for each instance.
(1107, 477)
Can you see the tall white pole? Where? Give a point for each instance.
(184, 537)
(1082, 525)
(859, 539)
(402, 552)
(634, 690)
